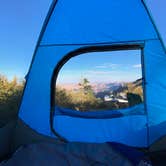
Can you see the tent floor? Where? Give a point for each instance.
(23, 135)
(75, 153)
(158, 158)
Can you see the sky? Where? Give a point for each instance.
(21, 22)
(110, 66)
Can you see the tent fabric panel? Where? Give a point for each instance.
(35, 106)
(130, 130)
(37, 95)
(73, 22)
(155, 69)
(36, 114)
(80, 22)
(104, 114)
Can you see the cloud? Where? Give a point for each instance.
(98, 72)
(101, 67)
(107, 65)
(137, 66)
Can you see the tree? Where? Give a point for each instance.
(134, 99)
(85, 86)
(63, 98)
(82, 100)
(10, 97)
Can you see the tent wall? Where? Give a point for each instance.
(155, 61)
(76, 24)
(80, 22)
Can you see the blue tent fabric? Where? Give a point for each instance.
(80, 22)
(42, 124)
(155, 62)
(131, 130)
(74, 25)
(135, 110)
(92, 124)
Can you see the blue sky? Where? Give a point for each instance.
(113, 66)
(20, 25)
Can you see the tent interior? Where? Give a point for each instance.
(97, 81)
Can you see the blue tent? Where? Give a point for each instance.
(77, 27)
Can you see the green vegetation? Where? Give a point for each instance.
(84, 98)
(10, 96)
(135, 88)
(81, 100)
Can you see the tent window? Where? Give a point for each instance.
(96, 81)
